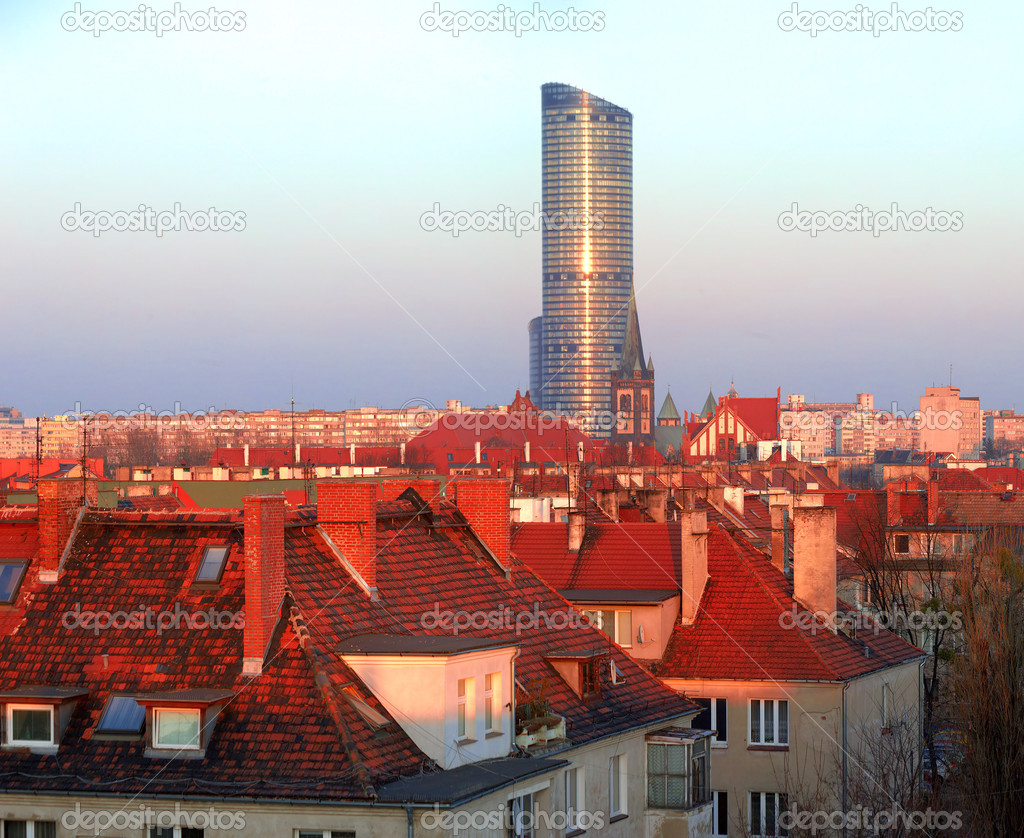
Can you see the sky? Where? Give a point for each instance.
(333, 127)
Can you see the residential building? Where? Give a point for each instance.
(309, 672)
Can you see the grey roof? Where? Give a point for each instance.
(44, 691)
(196, 696)
(416, 644)
(465, 782)
(629, 597)
(710, 405)
(668, 408)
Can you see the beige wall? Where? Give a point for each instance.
(815, 732)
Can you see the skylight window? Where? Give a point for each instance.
(11, 573)
(122, 715)
(211, 566)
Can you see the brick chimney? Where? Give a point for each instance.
(814, 557)
(933, 501)
(347, 514)
(60, 508)
(485, 504)
(264, 576)
(693, 550)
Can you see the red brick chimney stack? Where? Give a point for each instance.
(264, 576)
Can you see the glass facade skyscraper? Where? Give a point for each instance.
(587, 199)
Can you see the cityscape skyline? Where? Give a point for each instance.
(214, 319)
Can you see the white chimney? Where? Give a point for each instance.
(526, 452)
(814, 557)
(476, 449)
(352, 454)
(577, 528)
(245, 454)
(694, 562)
(297, 458)
(401, 453)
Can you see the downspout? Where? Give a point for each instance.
(846, 686)
(512, 693)
(408, 820)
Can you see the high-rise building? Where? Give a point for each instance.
(587, 199)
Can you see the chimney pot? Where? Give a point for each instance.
(577, 529)
(693, 551)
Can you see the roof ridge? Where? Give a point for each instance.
(323, 683)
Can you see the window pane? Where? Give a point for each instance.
(676, 759)
(178, 727)
(656, 759)
(161, 832)
(784, 722)
(212, 563)
(702, 721)
(46, 829)
(31, 725)
(15, 829)
(722, 720)
(769, 721)
(769, 814)
(656, 791)
(624, 628)
(755, 721)
(675, 794)
(755, 814)
(191, 833)
(722, 802)
(10, 575)
(123, 715)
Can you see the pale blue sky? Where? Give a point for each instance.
(334, 126)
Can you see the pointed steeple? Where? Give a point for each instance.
(710, 405)
(732, 394)
(650, 365)
(669, 411)
(632, 343)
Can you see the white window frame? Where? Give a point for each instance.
(521, 803)
(171, 746)
(465, 715)
(575, 797)
(716, 742)
(717, 799)
(31, 743)
(780, 803)
(596, 617)
(326, 833)
(775, 704)
(492, 702)
(618, 778)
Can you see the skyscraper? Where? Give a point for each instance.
(587, 199)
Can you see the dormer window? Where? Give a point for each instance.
(211, 565)
(11, 574)
(29, 725)
(36, 717)
(181, 722)
(176, 729)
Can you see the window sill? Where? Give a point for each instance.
(767, 747)
(575, 832)
(171, 753)
(465, 740)
(30, 748)
(618, 816)
(719, 744)
(494, 734)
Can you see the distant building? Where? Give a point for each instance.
(587, 170)
(950, 422)
(633, 388)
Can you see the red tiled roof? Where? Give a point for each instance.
(284, 734)
(738, 636)
(623, 556)
(959, 480)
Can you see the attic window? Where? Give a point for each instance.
(122, 715)
(29, 725)
(11, 574)
(176, 728)
(372, 717)
(211, 566)
(590, 678)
